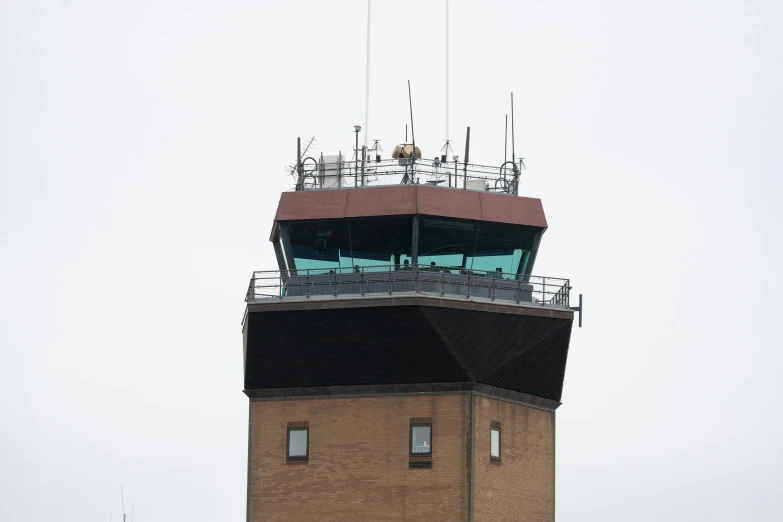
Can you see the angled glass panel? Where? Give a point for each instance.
(475, 248)
(345, 245)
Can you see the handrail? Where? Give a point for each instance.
(404, 171)
(390, 280)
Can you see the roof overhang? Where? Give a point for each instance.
(410, 200)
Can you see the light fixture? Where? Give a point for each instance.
(357, 128)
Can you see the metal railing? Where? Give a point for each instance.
(404, 171)
(393, 280)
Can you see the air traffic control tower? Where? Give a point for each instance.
(404, 363)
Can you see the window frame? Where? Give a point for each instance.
(496, 427)
(288, 455)
(410, 439)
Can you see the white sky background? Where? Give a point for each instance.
(142, 147)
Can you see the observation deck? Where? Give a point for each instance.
(409, 281)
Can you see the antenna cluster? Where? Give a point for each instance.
(309, 172)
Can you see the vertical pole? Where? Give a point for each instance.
(505, 143)
(356, 161)
(467, 156)
(367, 79)
(298, 163)
(415, 242)
(321, 170)
(339, 169)
(447, 74)
(513, 149)
(413, 133)
(364, 155)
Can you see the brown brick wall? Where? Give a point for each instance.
(521, 487)
(358, 464)
(358, 469)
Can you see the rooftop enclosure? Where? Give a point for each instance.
(397, 240)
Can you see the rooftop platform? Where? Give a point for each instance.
(332, 173)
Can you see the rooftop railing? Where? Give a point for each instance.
(406, 280)
(317, 174)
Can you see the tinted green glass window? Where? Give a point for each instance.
(480, 248)
(343, 245)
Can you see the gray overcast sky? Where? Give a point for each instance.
(142, 147)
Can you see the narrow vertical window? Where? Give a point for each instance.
(420, 443)
(494, 441)
(298, 441)
(421, 440)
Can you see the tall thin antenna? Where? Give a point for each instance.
(367, 80)
(467, 158)
(413, 134)
(447, 72)
(513, 150)
(505, 143)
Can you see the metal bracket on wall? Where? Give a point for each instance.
(578, 309)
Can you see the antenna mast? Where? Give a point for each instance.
(505, 143)
(447, 72)
(367, 80)
(413, 134)
(513, 150)
(447, 146)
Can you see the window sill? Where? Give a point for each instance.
(420, 461)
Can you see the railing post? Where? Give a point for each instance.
(334, 284)
(308, 284)
(390, 281)
(467, 294)
(442, 283)
(361, 283)
(519, 284)
(543, 293)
